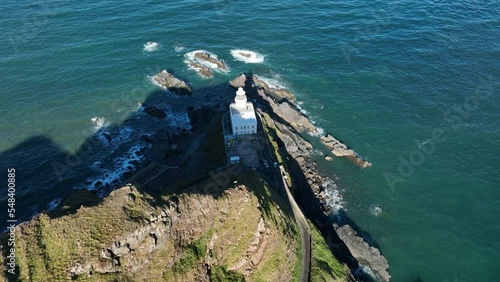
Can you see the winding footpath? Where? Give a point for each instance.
(304, 231)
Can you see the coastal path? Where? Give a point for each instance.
(304, 231)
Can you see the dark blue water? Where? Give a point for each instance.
(412, 86)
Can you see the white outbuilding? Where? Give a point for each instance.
(243, 119)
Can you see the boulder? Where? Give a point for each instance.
(201, 69)
(154, 111)
(239, 81)
(207, 57)
(172, 83)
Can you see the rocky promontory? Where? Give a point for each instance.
(340, 149)
(280, 101)
(170, 82)
(287, 126)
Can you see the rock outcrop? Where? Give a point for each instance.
(235, 233)
(287, 111)
(201, 69)
(172, 83)
(153, 111)
(279, 100)
(288, 125)
(238, 81)
(210, 59)
(364, 254)
(276, 92)
(340, 149)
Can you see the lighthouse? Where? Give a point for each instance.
(243, 119)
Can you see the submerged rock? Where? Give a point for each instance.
(172, 83)
(154, 111)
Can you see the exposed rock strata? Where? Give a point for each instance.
(277, 93)
(365, 254)
(172, 83)
(280, 102)
(340, 149)
(288, 129)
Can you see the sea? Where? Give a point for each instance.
(412, 86)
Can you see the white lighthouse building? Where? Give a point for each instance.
(243, 120)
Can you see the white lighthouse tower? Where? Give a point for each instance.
(243, 120)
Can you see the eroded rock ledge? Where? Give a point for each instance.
(289, 122)
(280, 101)
(364, 253)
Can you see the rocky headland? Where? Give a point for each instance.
(287, 122)
(178, 221)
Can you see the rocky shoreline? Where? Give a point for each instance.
(290, 122)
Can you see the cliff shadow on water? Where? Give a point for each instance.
(109, 154)
(147, 150)
(162, 160)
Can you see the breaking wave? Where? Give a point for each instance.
(247, 56)
(151, 46)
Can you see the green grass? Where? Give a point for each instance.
(221, 274)
(192, 256)
(324, 266)
(270, 131)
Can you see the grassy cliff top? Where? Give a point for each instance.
(245, 232)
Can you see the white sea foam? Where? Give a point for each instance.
(274, 82)
(123, 135)
(179, 119)
(376, 210)
(53, 204)
(332, 196)
(151, 46)
(247, 56)
(179, 48)
(317, 152)
(121, 165)
(99, 122)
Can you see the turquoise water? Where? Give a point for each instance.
(380, 75)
